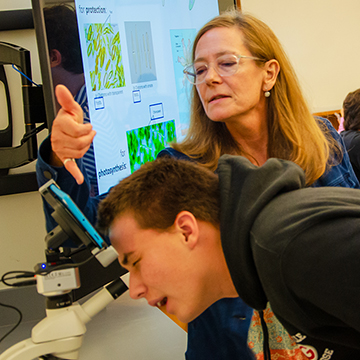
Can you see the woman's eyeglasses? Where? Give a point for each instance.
(225, 65)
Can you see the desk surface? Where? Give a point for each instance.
(126, 329)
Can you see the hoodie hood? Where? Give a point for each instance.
(245, 189)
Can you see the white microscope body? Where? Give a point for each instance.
(59, 335)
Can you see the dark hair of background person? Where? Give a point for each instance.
(351, 106)
(63, 35)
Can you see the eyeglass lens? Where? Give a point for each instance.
(225, 65)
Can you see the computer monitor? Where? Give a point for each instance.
(133, 53)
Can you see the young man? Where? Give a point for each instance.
(189, 238)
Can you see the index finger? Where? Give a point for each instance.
(67, 102)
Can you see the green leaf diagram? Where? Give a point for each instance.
(146, 142)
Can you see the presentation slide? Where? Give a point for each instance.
(134, 53)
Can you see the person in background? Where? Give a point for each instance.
(189, 238)
(247, 101)
(351, 133)
(340, 118)
(67, 69)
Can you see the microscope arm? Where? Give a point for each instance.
(61, 332)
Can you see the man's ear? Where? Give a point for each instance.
(187, 225)
(272, 68)
(55, 58)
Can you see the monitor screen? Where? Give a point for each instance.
(133, 55)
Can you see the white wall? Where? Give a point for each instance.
(321, 38)
(22, 232)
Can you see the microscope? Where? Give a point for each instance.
(59, 335)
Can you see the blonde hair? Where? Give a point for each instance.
(293, 132)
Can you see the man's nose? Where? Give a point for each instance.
(137, 288)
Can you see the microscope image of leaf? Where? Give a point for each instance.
(89, 49)
(89, 33)
(107, 65)
(146, 142)
(104, 56)
(108, 29)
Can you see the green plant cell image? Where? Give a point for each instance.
(146, 142)
(104, 56)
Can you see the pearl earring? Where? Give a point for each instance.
(267, 93)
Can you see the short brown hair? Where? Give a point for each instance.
(351, 106)
(159, 190)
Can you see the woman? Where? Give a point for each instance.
(261, 109)
(247, 101)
